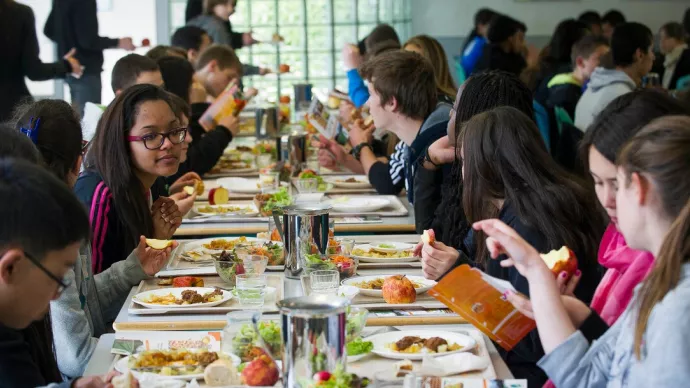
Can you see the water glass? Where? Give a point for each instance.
(269, 179)
(324, 282)
(254, 264)
(313, 164)
(307, 185)
(346, 245)
(233, 345)
(251, 289)
(264, 160)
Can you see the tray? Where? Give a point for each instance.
(193, 218)
(373, 364)
(178, 267)
(233, 304)
(395, 209)
(424, 301)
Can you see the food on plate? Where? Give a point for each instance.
(218, 196)
(221, 373)
(165, 282)
(274, 252)
(242, 148)
(398, 289)
(414, 344)
(429, 237)
(261, 372)
(222, 244)
(263, 148)
(337, 379)
(561, 260)
(245, 343)
(223, 209)
(188, 297)
(284, 68)
(285, 99)
(158, 244)
(348, 180)
(386, 246)
(316, 262)
(403, 367)
(359, 346)
(377, 284)
(230, 163)
(125, 380)
(266, 203)
(275, 235)
(172, 362)
(187, 281)
(374, 254)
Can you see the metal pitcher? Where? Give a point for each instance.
(313, 330)
(267, 122)
(302, 96)
(297, 150)
(304, 230)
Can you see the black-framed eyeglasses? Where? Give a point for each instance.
(154, 141)
(62, 283)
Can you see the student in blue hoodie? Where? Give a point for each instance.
(632, 56)
(474, 45)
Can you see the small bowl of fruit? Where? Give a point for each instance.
(228, 266)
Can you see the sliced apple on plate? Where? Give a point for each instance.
(218, 196)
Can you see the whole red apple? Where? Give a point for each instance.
(262, 372)
(398, 289)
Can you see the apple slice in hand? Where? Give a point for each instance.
(561, 260)
(218, 196)
(429, 237)
(158, 244)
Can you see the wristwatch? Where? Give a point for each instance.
(427, 158)
(357, 151)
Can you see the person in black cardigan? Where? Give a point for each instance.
(508, 174)
(19, 47)
(677, 55)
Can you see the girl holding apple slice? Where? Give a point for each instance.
(508, 174)
(648, 346)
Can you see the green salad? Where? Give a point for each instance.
(321, 185)
(246, 340)
(359, 346)
(279, 199)
(387, 246)
(315, 262)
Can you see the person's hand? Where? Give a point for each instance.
(232, 123)
(184, 201)
(577, 310)
(77, 68)
(504, 240)
(152, 260)
(330, 152)
(187, 179)
(251, 92)
(166, 218)
(532, 55)
(442, 152)
(248, 39)
(126, 44)
(197, 93)
(265, 70)
(91, 382)
(352, 58)
(437, 259)
(359, 135)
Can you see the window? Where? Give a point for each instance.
(314, 31)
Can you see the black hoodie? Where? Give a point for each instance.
(74, 24)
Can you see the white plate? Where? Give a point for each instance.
(364, 259)
(381, 341)
(248, 210)
(396, 246)
(122, 366)
(198, 245)
(240, 185)
(426, 284)
(177, 292)
(358, 204)
(357, 357)
(348, 292)
(362, 183)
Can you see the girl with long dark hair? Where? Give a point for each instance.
(138, 141)
(648, 346)
(508, 174)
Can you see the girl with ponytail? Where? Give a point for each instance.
(648, 346)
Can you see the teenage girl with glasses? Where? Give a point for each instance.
(139, 140)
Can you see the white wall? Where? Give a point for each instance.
(134, 18)
(452, 18)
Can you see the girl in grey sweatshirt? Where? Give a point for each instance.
(649, 345)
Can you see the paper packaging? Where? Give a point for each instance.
(479, 302)
(319, 118)
(230, 102)
(453, 364)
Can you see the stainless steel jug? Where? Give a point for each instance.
(304, 231)
(313, 330)
(297, 150)
(302, 96)
(267, 122)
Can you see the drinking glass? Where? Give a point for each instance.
(269, 179)
(324, 282)
(264, 160)
(233, 345)
(254, 264)
(251, 289)
(307, 185)
(346, 245)
(313, 164)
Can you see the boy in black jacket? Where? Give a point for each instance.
(74, 24)
(402, 99)
(565, 89)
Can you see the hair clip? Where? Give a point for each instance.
(32, 132)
